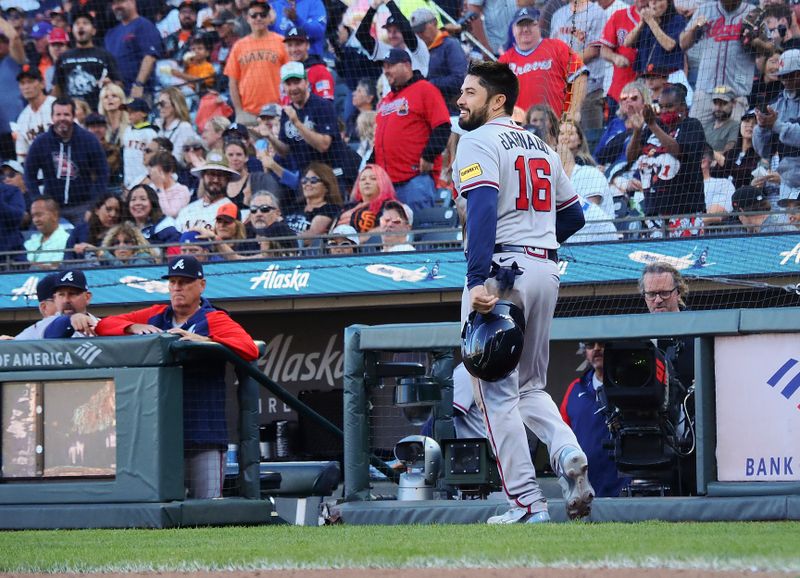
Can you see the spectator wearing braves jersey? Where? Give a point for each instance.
(309, 129)
(549, 72)
(82, 71)
(191, 316)
(520, 206)
(582, 410)
(320, 79)
(412, 128)
(716, 28)
(35, 118)
(72, 162)
(668, 153)
(398, 35)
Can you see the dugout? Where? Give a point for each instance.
(92, 436)
(746, 371)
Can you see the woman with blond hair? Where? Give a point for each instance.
(174, 122)
(112, 106)
(212, 132)
(124, 244)
(372, 189)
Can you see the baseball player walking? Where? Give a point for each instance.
(520, 206)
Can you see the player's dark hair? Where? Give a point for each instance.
(63, 101)
(497, 78)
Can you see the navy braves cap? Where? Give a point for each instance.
(526, 14)
(139, 105)
(45, 287)
(392, 21)
(295, 33)
(397, 55)
(71, 278)
(184, 266)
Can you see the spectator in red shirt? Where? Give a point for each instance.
(411, 131)
(549, 71)
(613, 49)
(193, 318)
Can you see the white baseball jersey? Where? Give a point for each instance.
(31, 123)
(528, 175)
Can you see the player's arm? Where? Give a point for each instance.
(569, 221)
(405, 26)
(222, 329)
(121, 324)
(481, 236)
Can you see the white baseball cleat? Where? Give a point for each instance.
(520, 516)
(578, 492)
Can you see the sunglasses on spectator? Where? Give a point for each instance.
(9, 174)
(225, 220)
(255, 15)
(161, 103)
(632, 98)
(265, 209)
(117, 242)
(340, 244)
(196, 147)
(310, 180)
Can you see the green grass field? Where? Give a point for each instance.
(732, 546)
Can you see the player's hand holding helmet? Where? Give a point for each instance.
(491, 343)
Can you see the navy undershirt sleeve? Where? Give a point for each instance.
(60, 327)
(481, 233)
(569, 221)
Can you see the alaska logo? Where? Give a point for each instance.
(470, 172)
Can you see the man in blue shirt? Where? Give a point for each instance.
(136, 44)
(307, 15)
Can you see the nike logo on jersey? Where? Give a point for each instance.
(504, 259)
(581, 394)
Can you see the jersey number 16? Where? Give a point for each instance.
(538, 171)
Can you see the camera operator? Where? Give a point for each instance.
(583, 410)
(664, 290)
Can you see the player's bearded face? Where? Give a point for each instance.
(473, 115)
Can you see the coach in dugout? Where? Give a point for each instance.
(191, 316)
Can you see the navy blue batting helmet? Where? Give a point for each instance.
(491, 344)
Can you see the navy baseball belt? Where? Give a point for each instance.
(551, 254)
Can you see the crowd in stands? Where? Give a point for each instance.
(240, 129)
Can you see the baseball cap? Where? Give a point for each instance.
(295, 33)
(184, 266)
(58, 36)
(723, 93)
(747, 197)
(652, 70)
(391, 21)
(397, 55)
(789, 62)
(224, 17)
(259, 4)
(292, 70)
(14, 165)
(45, 287)
(526, 13)
(95, 119)
(29, 71)
(229, 211)
(40, 30)
(190, 238)
(272, 109)
(194, 140)
(749, 113)
(345, 232)
(236, 130)
(71, 278)
(189, 4)
(139, 105)
(420, 17)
